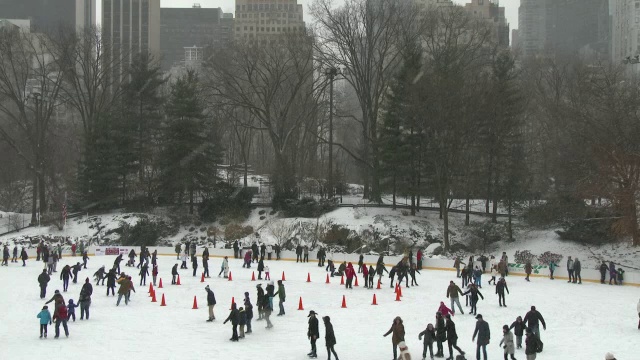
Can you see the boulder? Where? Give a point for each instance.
(434, 249)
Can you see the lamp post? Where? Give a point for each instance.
(331, 73)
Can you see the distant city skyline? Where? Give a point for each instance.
(511, 7)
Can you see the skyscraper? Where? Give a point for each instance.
(186, 33)
(491, 12)
(131, 27)
(260, 19)
(48, 15)
(625, 28)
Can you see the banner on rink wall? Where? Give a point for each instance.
(111, 250)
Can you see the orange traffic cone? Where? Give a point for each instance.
(342, 280)
(195, 303)
(356, 282)
(153, 297)
(309, 277)
(253, 276)
(160, 285)
(151, 292)
(399, 290)
(233, 301)
(178, 283)
(327, 282)
(397, 296)
(150, 287)
(283, 278)
(374, 300)
(344, 302)
(202, 278)
(378, 284)
(395, 290)
(230, 276)
(163, 303)
(300, 304)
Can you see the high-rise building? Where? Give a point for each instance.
(48, 15)
(131, 27)
(564, 27)
(491, 12)
(261, 19)
(625, 29)
(185, 30)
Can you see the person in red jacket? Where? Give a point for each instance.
(60, 316)
(73, 249)
(350, 272)
(444, 310)
(154, 273)
(365, 275)
(419, 259)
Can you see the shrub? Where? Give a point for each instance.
(235, 231)
(521, 257)
(555, 210)
(144, 233)
(483, 234)
(227, 200)
(336, 235)
(308, 207)
(262, 212)
(588, 231)
(548, 257)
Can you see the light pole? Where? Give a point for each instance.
(331, 74)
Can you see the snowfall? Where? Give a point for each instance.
(583, 321)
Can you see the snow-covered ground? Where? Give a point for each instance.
(583, 321)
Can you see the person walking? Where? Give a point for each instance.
(429, 335)
(518, 327)
(60, 317)
(281, 296)
(453, 292)
(174, 274)
(313, 333)
(329, 337)
(507, 343)
(577, 268)
(483, 333)
(500, 288)
(570, 268)
(235, 319)
(85, 299)
(45, 320)
(397, 329)
(211, 303)
(533, 318)
(43, 281)
(452, 337)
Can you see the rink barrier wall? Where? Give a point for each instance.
(539, 271)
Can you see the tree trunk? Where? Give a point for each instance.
(413, 204)
(633, 223)
(467, 209)
(42, 193)
(393, 206)
(34, 200)
(445, 218)
(489, 183)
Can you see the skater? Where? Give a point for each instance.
(441, 334)
(397, 328)
(194, 264)
(174, 274)
(45, 320)
(71, 310)
(299, 253)
(234, 317)
(452, 293)
(43, 281)
(507, 340)
(111, 282)
(205, 262)
(505, 258)
(412, 272)
(184, 257)
(76, 269)
(14, 258)
(365, 276)
(260, 268)
(270, 294)
(248, 309)
(603, 271)
(533, 320)
(570, 268)
(360, 263)
(456, 265)
(254, 252)
(269, 251)
(85, 258)
(518, 327)
(60, 317)
(404, 351)
(247, 260)
(305, 251)
(74, 248)
(419, 259)
(144, 272)
(330, 267)
(531, 345)
(65, 274)
(527, 269)
(502, 268)
(154, 257)
(474, 292)
(444, 310)
(552, 268)
(178, 250)
(372, 274)
(242, 321)
(132, 258)
(452, 337)
(24, 257)
(281, 296)
(493, 273)
(125, 286)
(577, 268)
(329, 337)
(211, 302)
(154, 273)
(392, 275)
(85, 299)
(477, 277)
(612, 273)
(100, 275)
(483, 333)
(224, 267)
(236, 250)
(56, 298)
(116, 263)
(620, 276)
(5, 255)
(350, 273)
(267, 275)
(260, 301)
(267, 309)
(429, 335)
(313, 333)
(638, 309)
(500, 288)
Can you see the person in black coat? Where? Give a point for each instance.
(14, 259)
(205, 262)
(111, 282)
(116, 263)
(234, 317)
(603, 271)
(263, 252)
(76, 269)
(313, 333)
(483, 333)
(100, 275)
(501, 286)
(85, 299)
(194, 264)
(174, 274)
(518, 329)
(254, 252)
(441, 333)
(533, 320)
(24, 257)
(65, 274)
(260, 301)
(211, 303)
(299, 253)
(43, 280)
(236, 249)
(429, 337)
(248, 309)
(452, 337)
(260, 268)
(329, 337)
(474, 293)
(531, 344)
(144, 272)
(5, 256)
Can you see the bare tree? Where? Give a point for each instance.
(281, 230)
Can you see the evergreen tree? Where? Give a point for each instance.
(191, 148)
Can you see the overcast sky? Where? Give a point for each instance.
(511, 6)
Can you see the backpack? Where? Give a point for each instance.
(539, 345)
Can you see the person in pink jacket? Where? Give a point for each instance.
(445, 310)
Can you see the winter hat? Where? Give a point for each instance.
(479, 316)
(609, 356)
(57, 292)
(505, 327)
(312, 313)
(326, 318)
(259, 285)
(402, 345)
(45, 307)
(246, 294)
(207, 287)
(86, 280)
